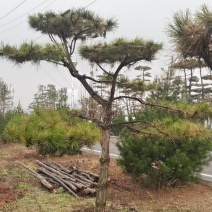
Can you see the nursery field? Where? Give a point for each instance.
(21, 192)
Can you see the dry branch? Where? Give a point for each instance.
(44, 182)
(74, 180)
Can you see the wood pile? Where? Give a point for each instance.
(74, 180)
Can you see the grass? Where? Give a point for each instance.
(38, 200)
(41, 201)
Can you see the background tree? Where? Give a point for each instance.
(194, 87)
(191, 34)
(167, 87)
(6, 104)
(64, 30)
(49, 97)
(145, 75)
(6, 97)
(62, 100)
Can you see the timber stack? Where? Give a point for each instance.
(74, 180)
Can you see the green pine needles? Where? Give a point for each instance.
(170, 152)
(50, 133)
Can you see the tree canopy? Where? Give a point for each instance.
(73, 23)
(191, 33)
(121, 50)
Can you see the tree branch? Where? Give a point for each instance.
(181, 112)
(130, 122)
(140, 131)
(139, 122)
(94, 120)
(73, 45)
(72, 70)
(106, 72)
(114, 82)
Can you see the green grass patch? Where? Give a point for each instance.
(38, 200)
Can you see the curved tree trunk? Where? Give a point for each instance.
(103, 175)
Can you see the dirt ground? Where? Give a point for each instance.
(122, 191)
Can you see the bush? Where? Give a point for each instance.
(5, 118)
(15, 128)
(168, 159)
(50, 133)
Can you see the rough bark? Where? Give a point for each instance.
(103, 175)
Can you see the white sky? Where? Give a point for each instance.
(136, 18)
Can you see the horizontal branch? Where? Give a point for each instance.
(130, 122)
(94, 120)
(127, 124)
(132, 129)
(181, 112)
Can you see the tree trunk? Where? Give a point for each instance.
(207, 58)
(103, 175)
(202, 85)
(185, 85)
(189, 87)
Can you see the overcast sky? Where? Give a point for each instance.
(136, 18)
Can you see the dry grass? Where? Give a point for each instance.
(20, 192)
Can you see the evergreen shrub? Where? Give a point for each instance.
(13, 130)
(173, 158)
(50, 133)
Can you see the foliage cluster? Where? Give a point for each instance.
(33, 52)
(5, 119)
(116, 51)
(50, 133)
(169, 152)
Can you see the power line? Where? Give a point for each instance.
(50, 76)
(13, 27)
(38, 37)
(12, 10)
(48, 5)
(63, 76)
(23, 14)
(89, 4)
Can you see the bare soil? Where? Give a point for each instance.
(122, 192)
